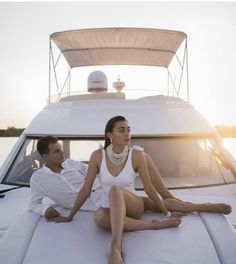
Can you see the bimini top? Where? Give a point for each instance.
(118, 46)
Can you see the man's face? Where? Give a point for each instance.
(55, 154)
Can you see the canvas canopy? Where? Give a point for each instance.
(118, 46)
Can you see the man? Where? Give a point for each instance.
(60, 180)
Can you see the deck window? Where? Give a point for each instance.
(182, 162)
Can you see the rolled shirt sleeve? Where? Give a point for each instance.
(37, 195)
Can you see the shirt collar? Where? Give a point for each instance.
(49, 171)
(46, 169)
(65, 164)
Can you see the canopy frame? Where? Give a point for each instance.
(104, 55)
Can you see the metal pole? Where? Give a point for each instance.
(168, 83)
(186, 47)
(182, 70)
(49, 88)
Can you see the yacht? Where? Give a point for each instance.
(186, 149)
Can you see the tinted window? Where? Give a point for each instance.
(182, 162)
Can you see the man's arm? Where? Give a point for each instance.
(36, 205)
(51, 213)
(82, 167)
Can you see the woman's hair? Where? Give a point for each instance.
(109, 128)
(43, 143)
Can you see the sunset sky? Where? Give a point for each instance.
(24, 48)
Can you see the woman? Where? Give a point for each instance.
(121, 209)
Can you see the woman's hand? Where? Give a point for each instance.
(61, 219)
(177, 214)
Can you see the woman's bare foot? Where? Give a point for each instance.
(218, 208)
(115, 256)
(170, 222)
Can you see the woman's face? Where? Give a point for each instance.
(120, 134)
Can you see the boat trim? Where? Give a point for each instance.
(153, 136)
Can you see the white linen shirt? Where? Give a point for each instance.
(62, 187)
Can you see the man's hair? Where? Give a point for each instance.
(43, 143)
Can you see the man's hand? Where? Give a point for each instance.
(51, 213)
(61, 219)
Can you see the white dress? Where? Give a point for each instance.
(125, 179)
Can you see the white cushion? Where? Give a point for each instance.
(201, 238)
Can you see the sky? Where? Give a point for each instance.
(25, 28)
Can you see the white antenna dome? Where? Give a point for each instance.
(97, 82)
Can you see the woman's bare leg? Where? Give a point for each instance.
(117, 216)
(173, 204)
(102, 218)
(124, 208)
(188, 207)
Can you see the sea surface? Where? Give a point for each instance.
(6, 144)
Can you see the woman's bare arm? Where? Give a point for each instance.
(157, 179)
(86, 189)
(141, 165)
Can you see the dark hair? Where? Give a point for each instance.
(109, 128)
(43, 143)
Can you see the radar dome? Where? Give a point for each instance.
(97, 82)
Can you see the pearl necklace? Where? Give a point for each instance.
(117, 159)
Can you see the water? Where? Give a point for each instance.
(6, 143)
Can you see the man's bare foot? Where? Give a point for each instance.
(218, 208)
(115, 256)
(170, 222)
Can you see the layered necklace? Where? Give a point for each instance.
(117, 159)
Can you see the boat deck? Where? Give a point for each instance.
(201, 238)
